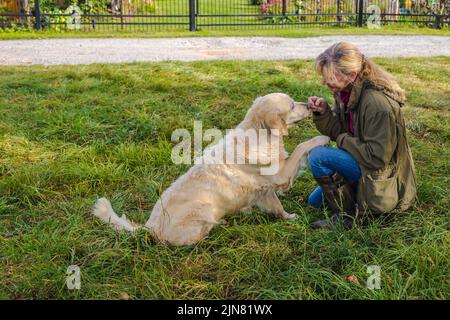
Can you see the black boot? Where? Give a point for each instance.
(340, 198)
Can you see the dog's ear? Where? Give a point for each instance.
(276, 124)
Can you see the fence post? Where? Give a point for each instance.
(339, 15)
(121, 14)
(37, 14)
(360, 13)
(284, 7)
(437, 21)
(192, 24)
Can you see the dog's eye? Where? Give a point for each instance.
(292, 106)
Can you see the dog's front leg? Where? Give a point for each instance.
(269, 202)
(285, 177)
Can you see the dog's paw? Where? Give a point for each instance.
(223, 222)
(290, 216)
(321, 140)
(314, 142)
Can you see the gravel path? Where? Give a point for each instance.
(86, 51)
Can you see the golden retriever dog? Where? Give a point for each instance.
(212, 189)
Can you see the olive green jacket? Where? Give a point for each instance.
(379, 145)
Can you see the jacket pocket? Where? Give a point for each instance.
(378, 193)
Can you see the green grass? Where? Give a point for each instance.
(69, 135)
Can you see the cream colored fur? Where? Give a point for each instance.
(207, 193)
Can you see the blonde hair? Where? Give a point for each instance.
(343, 58)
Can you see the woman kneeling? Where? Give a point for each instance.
(372, 170)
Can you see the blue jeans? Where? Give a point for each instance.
(324, 161)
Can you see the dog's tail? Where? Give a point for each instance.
(105, 212)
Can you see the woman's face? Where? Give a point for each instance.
(340, 83)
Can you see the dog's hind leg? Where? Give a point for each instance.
(189, 233)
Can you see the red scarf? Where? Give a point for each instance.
(345, 97)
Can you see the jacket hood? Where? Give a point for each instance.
(360, 85)
(393, 95)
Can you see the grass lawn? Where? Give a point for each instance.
(69, 135)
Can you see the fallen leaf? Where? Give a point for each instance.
(352, 278)
(124, 296)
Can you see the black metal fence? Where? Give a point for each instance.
(141, 15)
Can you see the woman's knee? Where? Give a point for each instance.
(315, 158)
(316, 154)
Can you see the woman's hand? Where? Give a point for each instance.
(317, 104)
